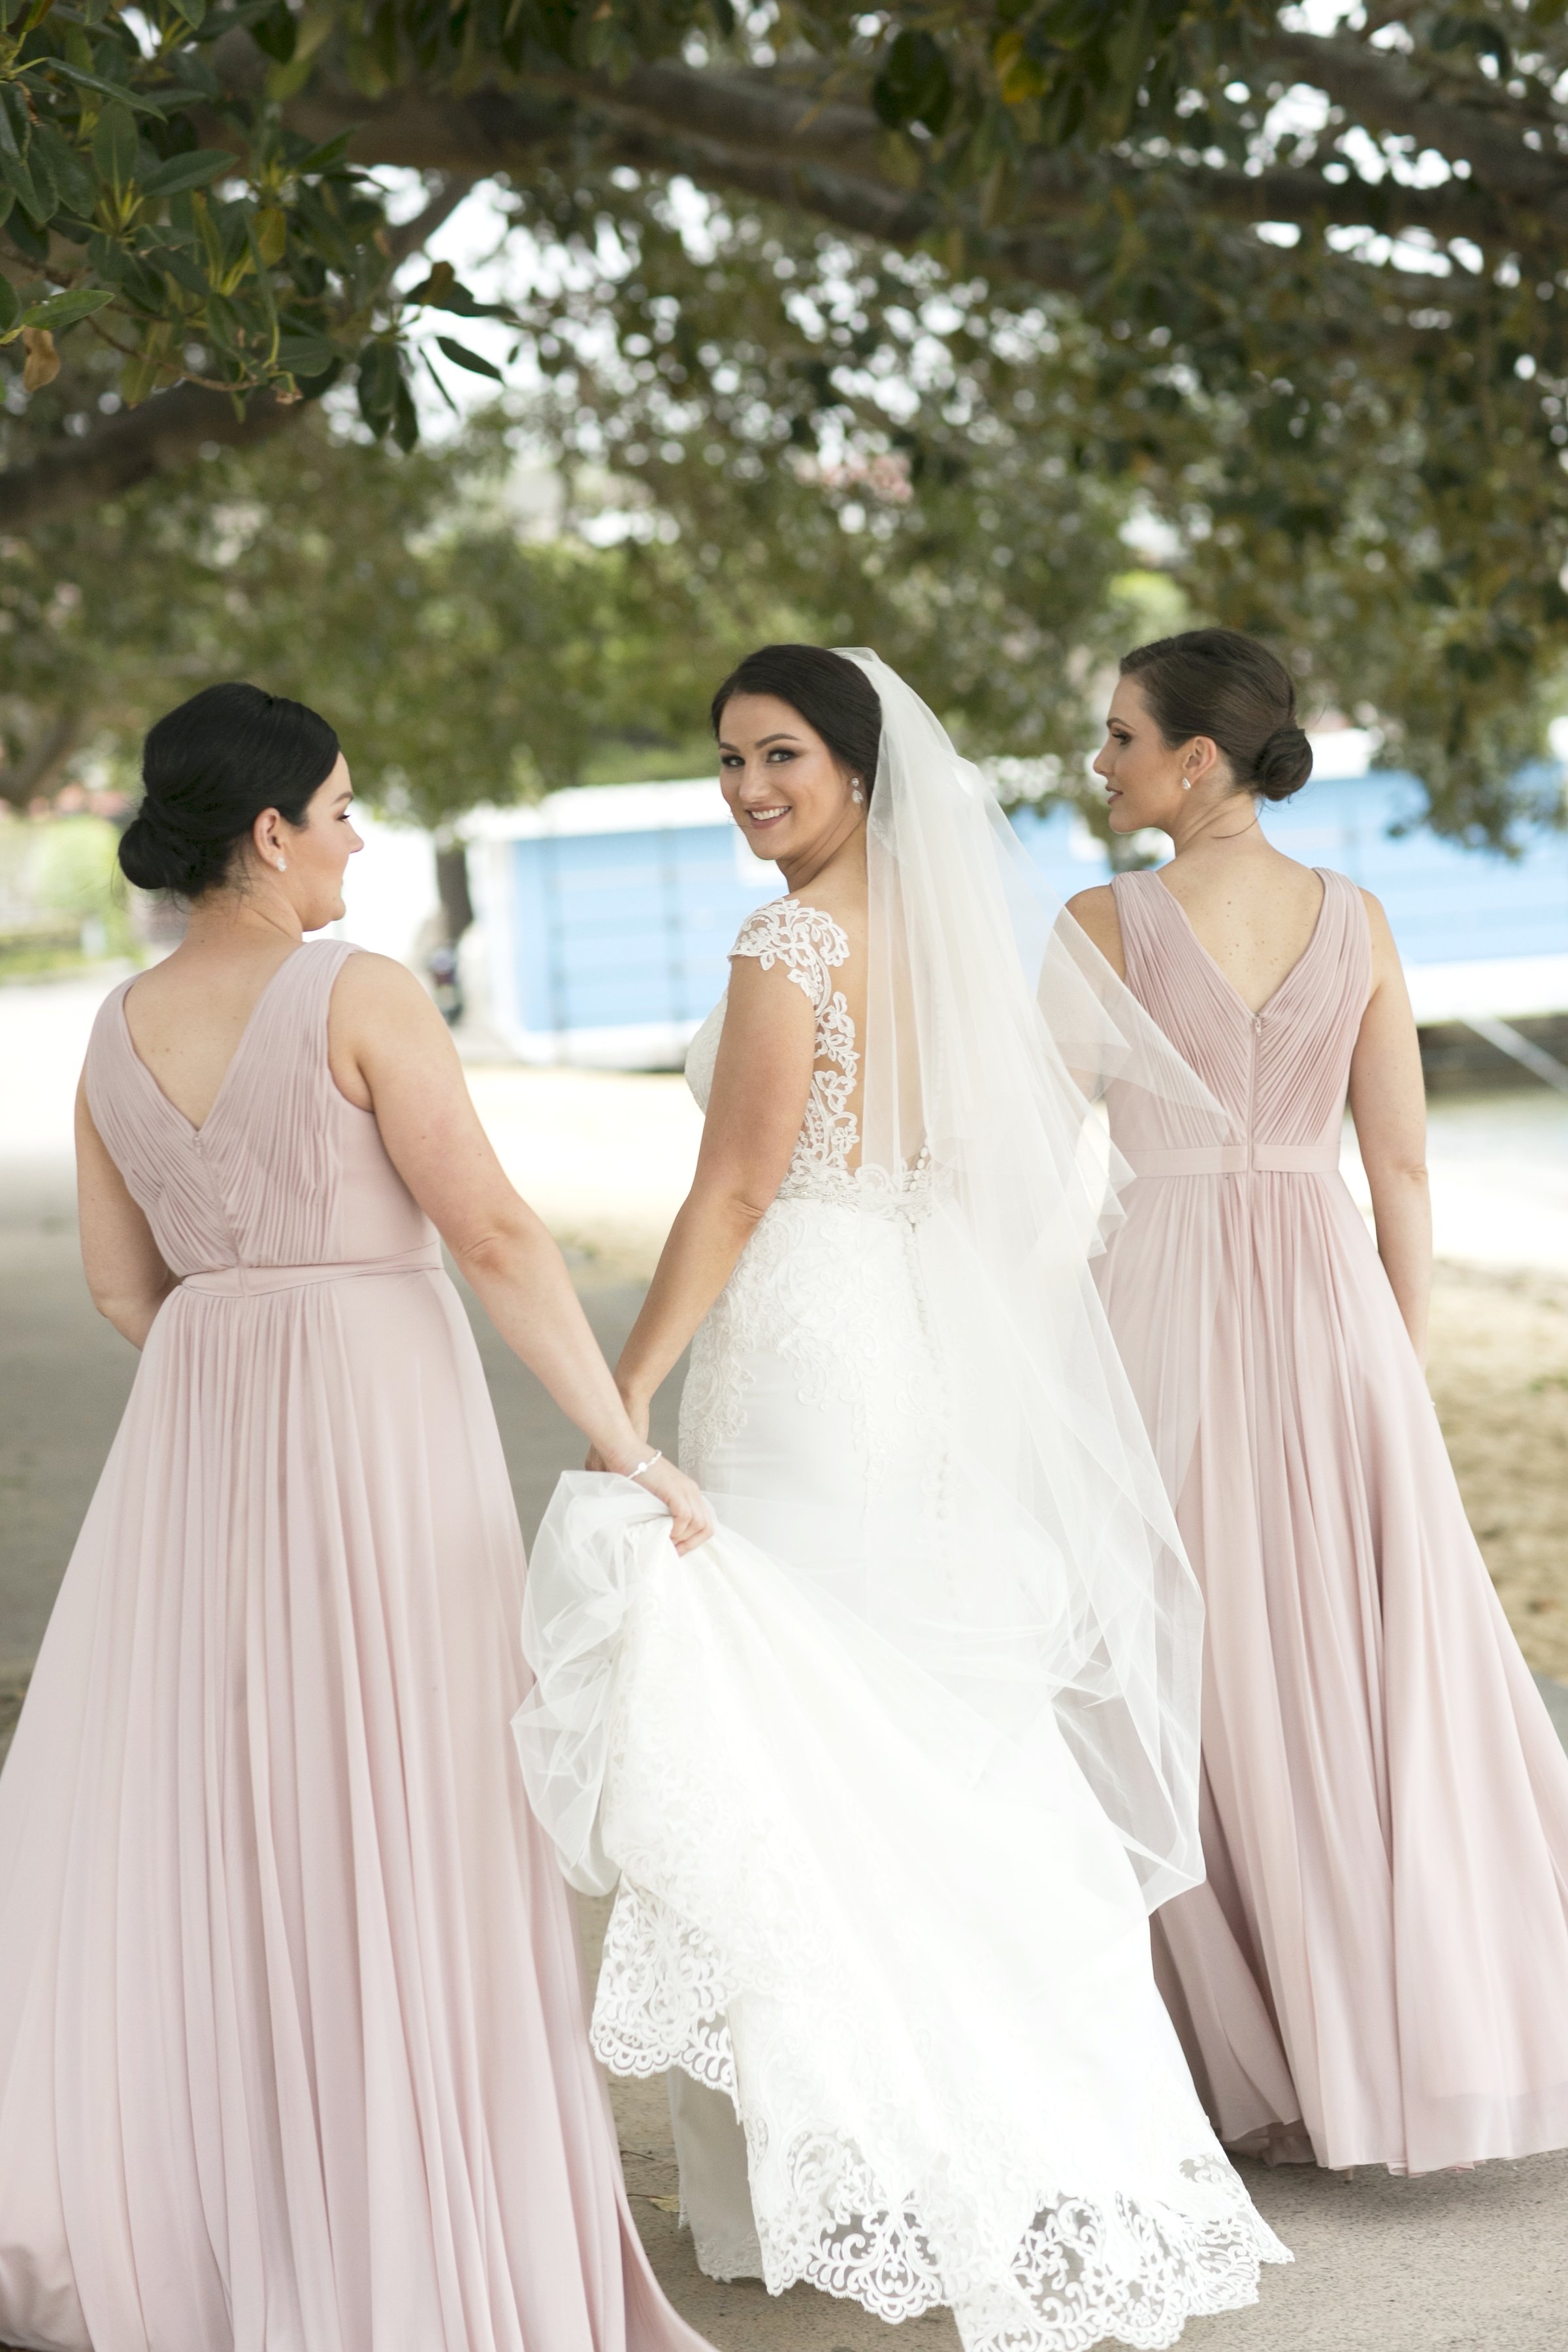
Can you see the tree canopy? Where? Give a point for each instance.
(1285, 283)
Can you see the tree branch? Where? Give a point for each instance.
(168, 430)
(1389, 91)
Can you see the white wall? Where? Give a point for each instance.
(389, 890)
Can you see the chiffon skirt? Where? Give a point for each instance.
(292, 2051)
(1379, 1955)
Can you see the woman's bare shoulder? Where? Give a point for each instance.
(374, 996)
(1094, 912)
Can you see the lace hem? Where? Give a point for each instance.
(1085, 2269)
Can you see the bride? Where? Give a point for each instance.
(891, 1771)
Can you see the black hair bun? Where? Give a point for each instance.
(156, 854)
(1283, 764)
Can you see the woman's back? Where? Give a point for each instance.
(281, 1169)
(1279, 1064)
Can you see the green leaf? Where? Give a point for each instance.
(62, 311)
(77, 188)
(326, 157)
(914, 86)
(114, 147)
(305, 354)
(197, 170)
(193, 11)
(15, 128)
(19, 180)
(379, 376)
(275, 34)
(439, 381)
(112, 90)
(47, 194)
(10, 306)
(404, 417)
(461, 356)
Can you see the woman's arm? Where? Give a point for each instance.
(1388, 1103)
(125, 1272)
(391, 1053)
(761, 1081)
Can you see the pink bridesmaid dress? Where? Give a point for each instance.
(1376, 1970)
(292, 2051)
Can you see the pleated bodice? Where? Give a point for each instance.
(1280, 1074)
(284, 1172)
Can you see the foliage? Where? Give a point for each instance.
(464, 660)
(1297, 295)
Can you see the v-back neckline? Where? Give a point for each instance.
(167, 1100)
(1226, 982)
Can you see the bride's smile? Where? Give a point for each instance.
(793, 802)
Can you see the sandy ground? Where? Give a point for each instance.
(1499, 1373)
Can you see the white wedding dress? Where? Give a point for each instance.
(901, 1962)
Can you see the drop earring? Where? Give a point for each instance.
(855, 795)
(1186, 783)
(282, 865)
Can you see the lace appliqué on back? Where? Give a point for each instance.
(810, 945)
(848, 1327)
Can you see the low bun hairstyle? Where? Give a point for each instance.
(832, 695)
(1219, 683)
(208, 770)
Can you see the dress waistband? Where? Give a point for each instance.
(250, 1281)
(1241, 1159)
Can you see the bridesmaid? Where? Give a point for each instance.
(292, 2049)
(1376, 1970)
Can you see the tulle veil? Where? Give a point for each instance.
(1037, 1578)
(1052, 1574)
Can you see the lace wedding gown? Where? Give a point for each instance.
(911, 1960)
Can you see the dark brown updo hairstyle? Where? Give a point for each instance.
(1219, 683)
(832, 695)
(209, 769)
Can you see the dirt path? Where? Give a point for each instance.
(1499, 1373)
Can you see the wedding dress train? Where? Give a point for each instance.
(893, 1930)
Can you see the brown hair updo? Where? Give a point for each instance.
(1219, 683)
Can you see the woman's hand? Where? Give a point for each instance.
(685, 1502)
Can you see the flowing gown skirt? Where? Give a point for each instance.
(292, 2044)
(912, 1959)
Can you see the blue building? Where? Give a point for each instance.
(607, 912)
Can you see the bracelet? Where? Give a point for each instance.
(646, 1466)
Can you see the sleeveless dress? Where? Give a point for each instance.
(1376, 1969)
(918, 2057)
(292, 2047)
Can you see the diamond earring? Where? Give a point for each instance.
(282, 865)
(1186, 783)
(855, 795)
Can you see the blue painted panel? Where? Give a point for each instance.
(1446, 903)
(621, 930)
